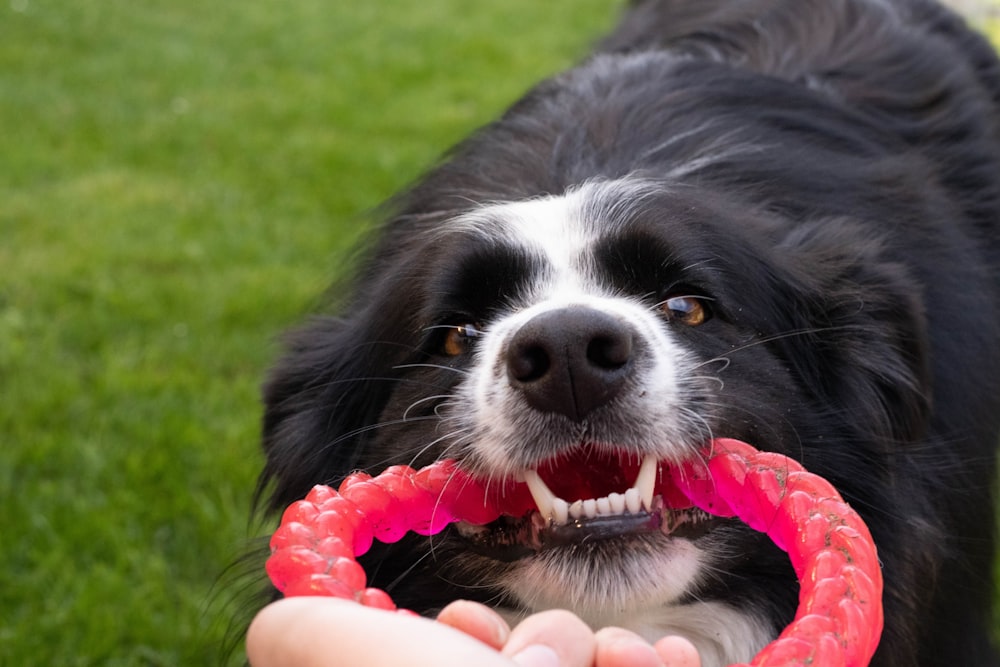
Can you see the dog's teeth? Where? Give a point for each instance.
(645, 481)
(540, 492)
(617, 502)
(560, 511)
(633, 501)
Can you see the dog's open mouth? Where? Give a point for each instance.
(584, 497)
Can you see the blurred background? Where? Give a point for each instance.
(179, 182)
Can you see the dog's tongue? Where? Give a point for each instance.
(589, 474)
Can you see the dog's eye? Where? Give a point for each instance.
(689, 310)
(458, 339)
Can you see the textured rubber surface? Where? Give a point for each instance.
(839, 618)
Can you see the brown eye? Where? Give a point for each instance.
(458, 339)
(689, 310)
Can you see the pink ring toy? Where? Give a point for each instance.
(839, 618)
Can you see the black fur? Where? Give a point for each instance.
(834, 167)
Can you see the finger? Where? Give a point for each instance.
(476, 620)
(617, 647)
(553, 638)
(677, 652)
(327, 632)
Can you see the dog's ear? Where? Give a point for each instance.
(862, 316)
(316, 399)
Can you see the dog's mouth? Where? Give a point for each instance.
(586, 497)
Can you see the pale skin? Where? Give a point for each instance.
(327, 632)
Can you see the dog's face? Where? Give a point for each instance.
(606, 358)
(584, 343)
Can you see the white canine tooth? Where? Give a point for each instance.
(560, 511)
(576, 509)
(590, 508)
(603, 506)
(645, 481)
(632, 500)
(540, 492)
(617, 502)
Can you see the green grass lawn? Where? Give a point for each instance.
(179, 181)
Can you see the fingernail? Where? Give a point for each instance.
(640, 653)
(501, 631)
(536, 655)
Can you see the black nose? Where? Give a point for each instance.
(570, 360)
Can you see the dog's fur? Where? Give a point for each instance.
(822, 179)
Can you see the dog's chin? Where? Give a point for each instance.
(604, 573)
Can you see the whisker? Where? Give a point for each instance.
(783, 335)
(377, 378)
(698, 421)
(423, 400)
(368, 428)
(442, 367)
(716, 360)
(707, 378)
(395, 582)
(446, 436)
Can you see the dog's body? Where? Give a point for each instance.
(774, 220)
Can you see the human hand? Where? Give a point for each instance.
(558, 638)
(327, 632)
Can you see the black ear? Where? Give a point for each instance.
(862, 315)
(317, 398)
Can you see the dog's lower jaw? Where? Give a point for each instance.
(639, 586)
(623, 574)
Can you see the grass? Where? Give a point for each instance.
(180, 180)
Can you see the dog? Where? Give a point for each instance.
(771, 220)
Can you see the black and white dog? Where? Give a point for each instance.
(773, 220)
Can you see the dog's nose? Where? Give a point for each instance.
(570, 360)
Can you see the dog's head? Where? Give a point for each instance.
(576, 340)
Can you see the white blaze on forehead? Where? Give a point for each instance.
(554, 228)
(563, 229)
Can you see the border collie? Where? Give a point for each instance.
(772, 220)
